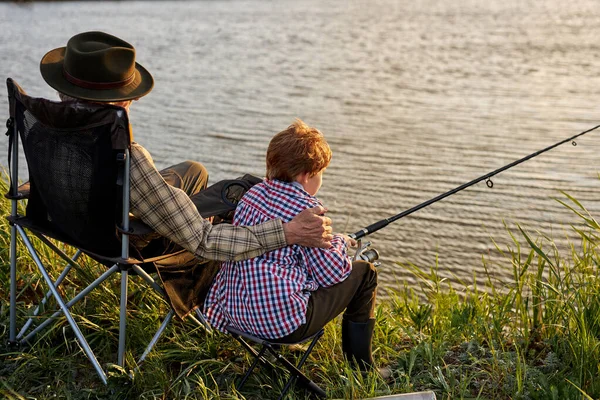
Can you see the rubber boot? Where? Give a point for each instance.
(356, 345)
(356, 342)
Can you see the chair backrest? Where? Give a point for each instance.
(73, 152)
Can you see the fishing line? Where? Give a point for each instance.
(488, 181)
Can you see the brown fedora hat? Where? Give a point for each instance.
(96, 66)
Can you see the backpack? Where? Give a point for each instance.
(220, 199)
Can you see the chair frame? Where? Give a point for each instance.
(123, 264)
(271, 347)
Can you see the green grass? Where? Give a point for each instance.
(536, 336)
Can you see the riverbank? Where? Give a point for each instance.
(536, 336)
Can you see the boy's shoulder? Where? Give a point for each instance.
(277, 197)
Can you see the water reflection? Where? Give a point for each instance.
(415, 99)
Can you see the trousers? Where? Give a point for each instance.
(355, 296)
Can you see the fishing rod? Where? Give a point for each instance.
(487, 177)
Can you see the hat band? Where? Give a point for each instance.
(97, 85)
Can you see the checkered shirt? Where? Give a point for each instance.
(267, 295)
(171, 213)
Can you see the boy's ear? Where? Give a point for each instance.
(303, 177)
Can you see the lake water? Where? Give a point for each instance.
(414, 97)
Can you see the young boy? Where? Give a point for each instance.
(290, 293)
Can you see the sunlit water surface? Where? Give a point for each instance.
(415, 98)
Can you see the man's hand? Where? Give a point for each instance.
(309, 228)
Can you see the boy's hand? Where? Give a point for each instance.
(310, 228)
(349, 241)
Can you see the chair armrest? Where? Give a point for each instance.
(138, 228)
(22, 192)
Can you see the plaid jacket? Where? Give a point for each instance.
(171, 213)
(267, 295)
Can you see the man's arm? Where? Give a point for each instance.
(171, 213)
(225, 242)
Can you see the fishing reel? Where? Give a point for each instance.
(366, 253)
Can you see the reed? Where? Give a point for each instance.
(536, 336)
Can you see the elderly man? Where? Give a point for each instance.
(101, 68)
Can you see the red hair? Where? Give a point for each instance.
(297, 150)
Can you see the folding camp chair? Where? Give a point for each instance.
(78, 193)
(273, 347)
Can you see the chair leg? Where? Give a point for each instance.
(74, 300)
(70, 261)
(201, 321)
(57, 283)
(138, 270)
(14, 205)
(287, 387)
(296, 374)
(42, 303)
(251, 350)
(157, 336)
(123, 318)
(13, 283)
(82, 342)
(310, 348)
(257, 359)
